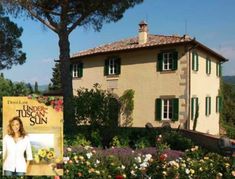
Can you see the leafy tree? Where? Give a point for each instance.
(96, 107)
(228, 109)
(7, 88)
(10, 44)
(36, 87)
(30, 88)
(62, 17)
(56, 78)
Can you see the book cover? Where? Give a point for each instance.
(42, 121)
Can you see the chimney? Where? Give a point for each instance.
(143, 32)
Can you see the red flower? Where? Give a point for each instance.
(163, 157)
(57, 177)
(60, 102)
(119, 177)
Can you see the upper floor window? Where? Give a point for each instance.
(167, 109)
(167, 61)
(77, 70)
(195, 61)
(208, 66)
(112, 66)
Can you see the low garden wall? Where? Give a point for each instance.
(207, 141)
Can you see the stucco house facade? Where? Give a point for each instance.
(176, 79)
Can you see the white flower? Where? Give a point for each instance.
(97, 172)
(133, 172)
(123, 167)
(187, 171)
(124, 175)
(65, 159)
(138, 159)
(147, 157)
(97, 161)
(143, 165)
(89, 155)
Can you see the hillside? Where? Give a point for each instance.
(229, 79)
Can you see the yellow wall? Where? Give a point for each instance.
(138, 72)
(203, 85)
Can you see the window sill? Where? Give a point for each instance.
(167, 71)
(76, 78)
(112, 76)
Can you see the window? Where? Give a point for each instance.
(167, 61)
(208, 66)
(77, 70)
(112, 66)
(218, 70)
(195, 61)
(167, 109)
(194, 108)
(208, 106)
(218, 104)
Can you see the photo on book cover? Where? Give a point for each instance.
(33, 136)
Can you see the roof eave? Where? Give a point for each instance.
(223, 59)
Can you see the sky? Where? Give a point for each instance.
(211, 22)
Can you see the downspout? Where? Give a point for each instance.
(189, 84)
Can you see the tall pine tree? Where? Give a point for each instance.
(56, 78)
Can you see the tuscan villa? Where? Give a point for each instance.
(176, 79)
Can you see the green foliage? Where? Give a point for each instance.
(78, 140)
(230, 130)
(56, 78)
(7, 88)
(227, 117)
(176, 141)
(120, 141)
(36, 88)
(96, 139)
(96, 107)
(127, 103)
(142, 143)
(10, 44)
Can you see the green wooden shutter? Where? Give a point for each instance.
(175, 109)
(197, 62)
(106, 67)
(209, 105)
(118, 61)
(209, 66)
(158, 109)
(193, 61)
(192, 108)
(80, 70)
(218, 70)
(160, 62)
(220, 104)
(175, 60)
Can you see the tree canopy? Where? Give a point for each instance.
(10, 44)
(62, 17)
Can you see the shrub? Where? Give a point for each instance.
(176, 141)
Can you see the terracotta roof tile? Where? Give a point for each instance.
(132, 43)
